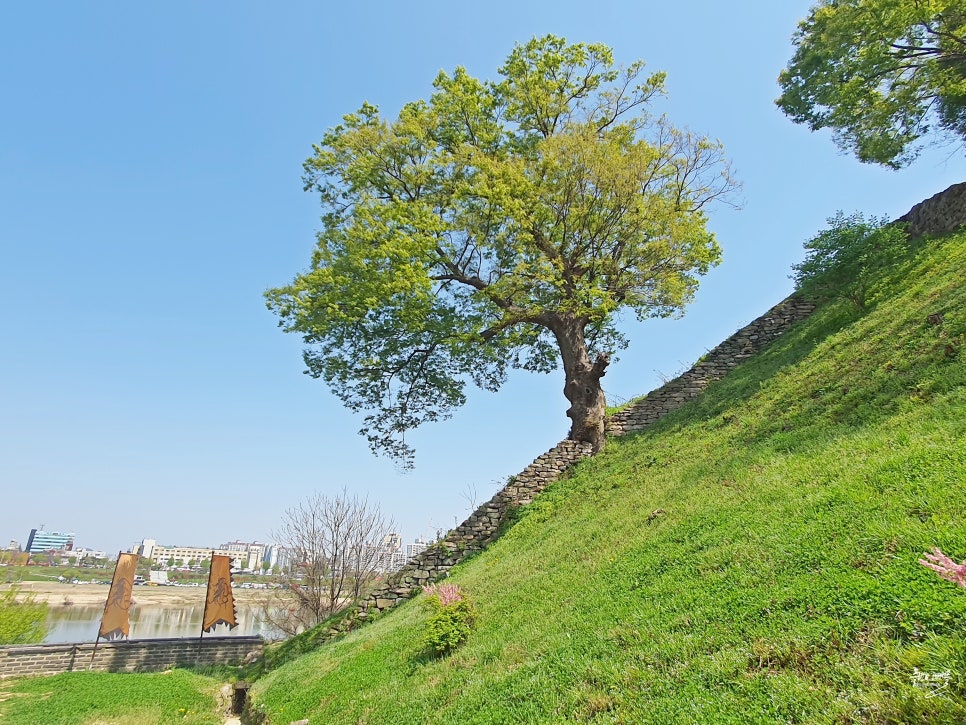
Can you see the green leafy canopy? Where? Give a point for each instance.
(881, 74)
(844, 259)
(462, 238)
(21, 621)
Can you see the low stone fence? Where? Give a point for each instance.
(136, 655)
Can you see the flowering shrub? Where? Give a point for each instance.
(445, 594)
(945, 567)
(452, 618)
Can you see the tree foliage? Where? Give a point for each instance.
(498, 225)
(880, 73)
(22, 621)
(842, 260)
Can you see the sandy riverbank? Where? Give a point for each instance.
(57, 594)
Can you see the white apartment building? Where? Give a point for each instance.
(253, 553)
(417, 547)
(184, 555)
(278, 556)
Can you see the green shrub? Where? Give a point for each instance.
(22, 622)
(452, 618)
(843, 260)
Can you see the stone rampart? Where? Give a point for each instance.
(942, 213)
(136, 655)
(483, 525)
(478, 530)
(717, 363)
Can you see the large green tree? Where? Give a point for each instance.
(500, 224)
(881, 74)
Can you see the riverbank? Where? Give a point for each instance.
(57, 594)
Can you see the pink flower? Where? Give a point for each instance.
(945, 567)
(445, 594)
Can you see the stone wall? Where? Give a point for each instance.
(137, 655)
(940, 214)
(483, 525)
(478, 530)
(745, 343)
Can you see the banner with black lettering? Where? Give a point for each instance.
(220, 603)
(116, 623)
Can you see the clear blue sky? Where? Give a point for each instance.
(150, 191)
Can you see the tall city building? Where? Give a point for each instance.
(278, 557)
(40, 541)
(417, 547)
(145, 548)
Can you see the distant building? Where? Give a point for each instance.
(180, 556)
(397, 561)
(40, 541)
(192, 555)
(417, 547)
(80, 555)
(385, 554)
(391, 542)
(145, 548)
(252, 554)
(278, 556)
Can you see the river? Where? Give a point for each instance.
(79, 623)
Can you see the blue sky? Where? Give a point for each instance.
(150, 191)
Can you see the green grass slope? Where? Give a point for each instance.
(750, 559)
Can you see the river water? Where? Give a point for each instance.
(80, 623)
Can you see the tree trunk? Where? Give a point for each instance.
(582, 386)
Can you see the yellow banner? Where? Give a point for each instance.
(115, 623)
(220, 604)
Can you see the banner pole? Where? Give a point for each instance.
(94, 652)
(107, 603)
(204, 615)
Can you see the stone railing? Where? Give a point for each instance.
(136, 655)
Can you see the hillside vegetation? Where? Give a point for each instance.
(751, 558)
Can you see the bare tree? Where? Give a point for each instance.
(470, 495)
(335, 549)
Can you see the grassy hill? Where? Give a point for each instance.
(751, 558)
